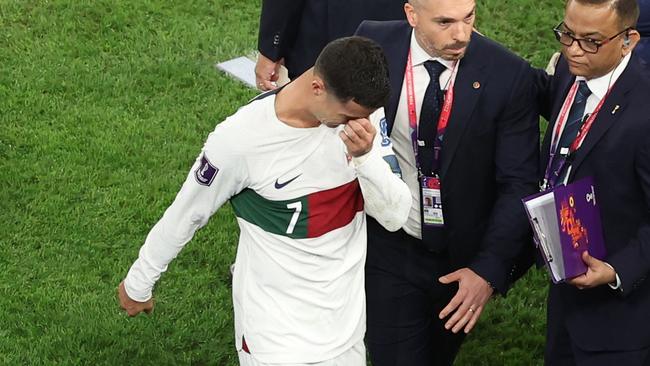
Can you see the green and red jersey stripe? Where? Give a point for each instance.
(308, 216)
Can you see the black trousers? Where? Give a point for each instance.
(404, 299)
(562, 351)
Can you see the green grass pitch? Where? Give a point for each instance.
(104, 105)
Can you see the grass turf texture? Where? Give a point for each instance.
(104, 106)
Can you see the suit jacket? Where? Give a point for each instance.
(642, 49)
(299, 29)
(642, 53)
(488, 155)
(616, 153)
(643, 24)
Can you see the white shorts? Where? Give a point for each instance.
(355, 356)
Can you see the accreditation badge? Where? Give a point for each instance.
(431, 202)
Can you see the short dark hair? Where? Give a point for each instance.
(355, 68)
(627, 10)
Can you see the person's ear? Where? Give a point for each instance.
(317, 86)
(630, 39)
(411, 14)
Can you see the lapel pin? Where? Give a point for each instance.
(615, 109)
(476, 85)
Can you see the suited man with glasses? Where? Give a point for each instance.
(597, 105)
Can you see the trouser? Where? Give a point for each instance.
(403, 299)
(562, 351)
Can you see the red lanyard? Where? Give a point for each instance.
(445, 113)
(551, 175)
(562, 120)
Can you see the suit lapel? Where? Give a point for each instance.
(564, 88)
(467, 90)
(397, 51)
(613, 107)
(558, 100)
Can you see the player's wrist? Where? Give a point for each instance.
(361, 159)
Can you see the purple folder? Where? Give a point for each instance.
(566, 222)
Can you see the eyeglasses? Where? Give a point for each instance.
(586, 44)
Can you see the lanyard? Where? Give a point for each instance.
(551, 176)
(443, 120)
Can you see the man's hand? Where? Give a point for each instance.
(132, 307)
(267, 72)
(468, 303)
(357, 135)
(598, 273)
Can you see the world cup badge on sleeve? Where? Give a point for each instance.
(383, 129)
(206, 172)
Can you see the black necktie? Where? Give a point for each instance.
(574, 123)
(429, 114)
(432, 237)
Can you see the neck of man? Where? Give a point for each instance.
(292, 103)
(611, 69)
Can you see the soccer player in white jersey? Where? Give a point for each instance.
(302, 167)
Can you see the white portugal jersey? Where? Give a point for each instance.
(300, 202)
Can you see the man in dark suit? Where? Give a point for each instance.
(600, 127)
(293, 32)
(472, 150)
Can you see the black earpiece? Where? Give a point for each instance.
(626, 40)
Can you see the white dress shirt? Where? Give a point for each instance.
(402, 144)
(599, 86)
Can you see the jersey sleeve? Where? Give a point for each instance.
(386, 197)
(218, 173)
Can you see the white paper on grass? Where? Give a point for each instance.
(241, 68)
